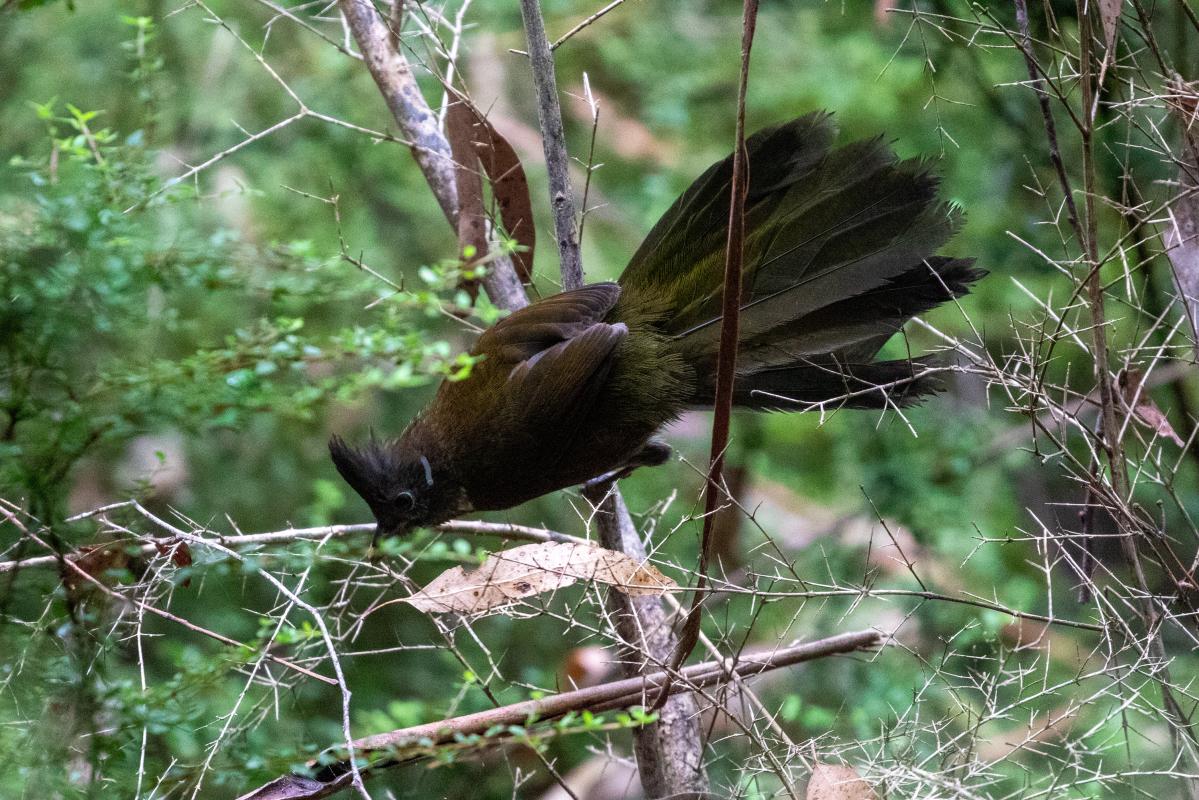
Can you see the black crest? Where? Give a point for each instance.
(369, 469)
(395, 483)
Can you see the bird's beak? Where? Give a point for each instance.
(386, 530)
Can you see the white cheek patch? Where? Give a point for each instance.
(428, 471)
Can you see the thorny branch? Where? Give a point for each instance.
(424, 738)
(669, 751)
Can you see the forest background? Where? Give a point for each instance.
(214, 254)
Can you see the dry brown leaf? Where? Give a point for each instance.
(472, 222)
(96, 561)
(1144, 410)
(1152, 417)
(180, 553)
(508, 183)
(531, 569)
(1109, 14)
(835, 782)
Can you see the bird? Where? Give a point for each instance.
(840, 251)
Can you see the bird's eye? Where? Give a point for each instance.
(403, 501)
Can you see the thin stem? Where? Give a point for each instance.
(553, 140)
(726, 359)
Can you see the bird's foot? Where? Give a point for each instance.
(653, 453)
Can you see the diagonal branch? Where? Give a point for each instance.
(397, 83)
(405, 745)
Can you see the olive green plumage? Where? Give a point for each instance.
(839, 254)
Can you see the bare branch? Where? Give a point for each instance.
(155, 545)
(392, 746)
(411, 111)
(553, 140)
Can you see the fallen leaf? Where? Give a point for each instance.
(512, 575)
(509, 185)
(835, 782)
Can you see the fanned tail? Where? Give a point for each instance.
(840, 250)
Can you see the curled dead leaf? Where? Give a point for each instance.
(509, 185)
(180, 554)
(1144, 410)
(836, 782)
(96, 561)
(512, 575)
(472, 222)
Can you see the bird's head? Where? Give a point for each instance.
(397, 483)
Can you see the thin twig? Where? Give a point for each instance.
(726, 359)
(553, 140)
(140, 606)
(468, 527)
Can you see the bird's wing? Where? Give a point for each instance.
(555, 394)
(537, 328)
(559, 385)
(551, 361)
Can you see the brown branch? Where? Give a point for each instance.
(393, 75)
(397, 84)
(726, 359)
(553, 140)
(1055, 154)
(390, 747)
(670, 751)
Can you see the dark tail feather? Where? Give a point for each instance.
(839, 254)
(829, 385)
(853, 329)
